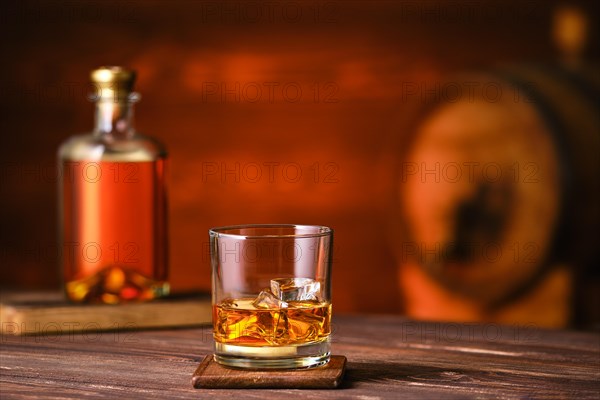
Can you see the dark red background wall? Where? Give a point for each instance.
(307, 94)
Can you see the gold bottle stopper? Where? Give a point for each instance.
(113, 83)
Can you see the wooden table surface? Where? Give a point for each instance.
(388, 357)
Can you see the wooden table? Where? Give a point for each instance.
(388, 357)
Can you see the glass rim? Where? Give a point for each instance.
(222, 231)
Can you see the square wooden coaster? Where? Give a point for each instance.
(212, 375)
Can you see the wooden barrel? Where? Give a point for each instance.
(499, 182)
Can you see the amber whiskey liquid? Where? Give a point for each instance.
(113, 230)
(301, 329)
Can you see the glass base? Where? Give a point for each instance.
(273, 357)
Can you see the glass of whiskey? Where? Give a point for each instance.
(271, 295)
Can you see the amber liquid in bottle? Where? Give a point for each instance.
(114, 230)
(113, 207)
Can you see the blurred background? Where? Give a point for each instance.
(451, 145)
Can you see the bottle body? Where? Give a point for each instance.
(113, 210)
(114, 225)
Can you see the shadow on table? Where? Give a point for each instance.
(385, 371)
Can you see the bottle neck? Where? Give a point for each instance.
(114, 119)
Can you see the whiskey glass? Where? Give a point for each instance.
(271, 295)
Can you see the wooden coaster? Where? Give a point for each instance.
(212, 375)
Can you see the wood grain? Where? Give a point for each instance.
(389, 357)
(50, 313)
(212, 375)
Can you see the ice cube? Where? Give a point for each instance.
(266, 300)
(296, 289)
